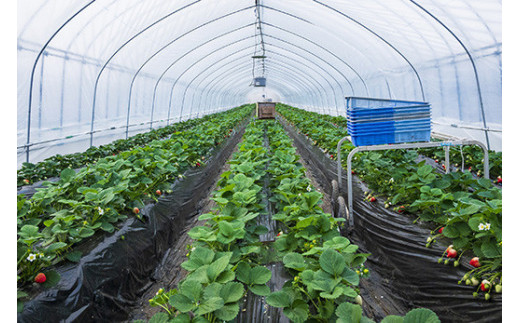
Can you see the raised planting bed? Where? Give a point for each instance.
(401, 230)
(232, 260)
(55, 223)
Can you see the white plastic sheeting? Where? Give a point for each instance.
(92, 71)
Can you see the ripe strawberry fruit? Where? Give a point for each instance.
(198, 164)
(136, 210)
(158, 192)
(331, 156)
(499, 180)
(474, 262)
(436, 160)
(279, 233)
(353, 172)
(440, 230)
(26, 181)
(40, 278)
(452, 253)
(372, 199)
(485, 285)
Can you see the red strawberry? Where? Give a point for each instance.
(198, 164)
(353, 172)
(136, 210)
(158, 192)
(40, 278)
(443, 166)
(279, 233)
(452, 253)
(440, 230)
(372, 199)
(469, 168)
(485, 285)
(331, 156)
(499, 180)
(26, 181)
(400, 210)
(474, 262)
(436, 160)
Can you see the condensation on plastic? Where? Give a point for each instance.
(186, 58)
(116, 269)
(404, 274)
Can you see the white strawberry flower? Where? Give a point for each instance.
(31, 257)
(100, 210)
(309, 188)
(483, 226)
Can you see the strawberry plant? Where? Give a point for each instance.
(468, 209)
(99, 196)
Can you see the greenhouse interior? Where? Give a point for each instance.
(259, 161)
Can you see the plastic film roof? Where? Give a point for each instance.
(90, 72)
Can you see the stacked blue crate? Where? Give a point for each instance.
(377, 121)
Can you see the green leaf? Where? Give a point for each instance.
(261, 290)
(67, 174)
(191, 289)
(218, 266)
(52, 278)
(74, 256)
(29, 230)
(182, 303)
(56, 246)
(228, 312)
(351, 276)
(210, 305)
(332, 262)
(231, 292)
(160, 317)
(298, 312)
(199, 256)
(490, 249)
(279, 299)
(424, 170)
(421, 315)
(393, 319)
(243, 272)
(348, 313)
(450, 231)
(259, 275)
(225, 276)
(474, 223)
(295, 261)
(181, 318)
(472, 209)
(305, 222)
(19, 306)
(106, 226)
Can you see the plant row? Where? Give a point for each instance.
(228, 260)
(99, 196)
(30, 173)
(464, 209)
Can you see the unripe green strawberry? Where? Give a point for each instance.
(447, 261)
(474, 281)
(359, 300)
(475, 294)
(498, 288)
(456, 263)
(487, 296)
(468, 282)
(440, 260)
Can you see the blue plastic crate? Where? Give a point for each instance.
(391, 137)
(388, 125)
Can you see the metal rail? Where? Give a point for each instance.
(445, 144)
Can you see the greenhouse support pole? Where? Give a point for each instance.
(481, 102)
(34, 68)
(40, 97)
